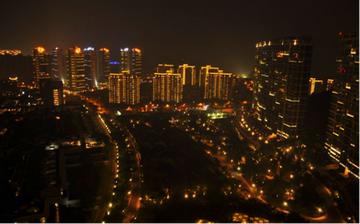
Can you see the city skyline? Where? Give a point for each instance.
(119, 25)
(179, 112)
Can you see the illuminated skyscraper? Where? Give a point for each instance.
(103, 64)
(76, 69)
(131, 61)
(124, 88)
(58, 68)
(188, 74)
(281, 84)
(342, 140)
(41, 64)
(167, 87)
(90, 66)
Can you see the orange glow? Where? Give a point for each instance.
(77, 50)
(105, 50)
(137, 50)
(40, 49)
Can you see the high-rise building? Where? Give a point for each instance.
(124, 88)
(90, 66)
(41, 64)
(188, 74)
(281, 84)
(131, 61)
(103, 64)
(342, 140)
(316, 85)
(214, 83)
(51, 92)
(75, 69)
(217, 85)
(57, 64)
(167, 87)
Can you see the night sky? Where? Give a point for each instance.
(222, 33)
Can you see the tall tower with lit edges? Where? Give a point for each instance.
(131, 61)
(188, 74)
(57, 64)
(90, 66)
(167, 87)
(281, 84)
(41, 64)
(342, 139)
(124, 88)
(103, 64)
(76, 69)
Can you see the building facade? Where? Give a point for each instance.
(41, 64)
(188, 74)
(90, 66)
(342, 139)
(103, 65)
(57, 64)
(124, 88)
(131, 61)
(75, 69)
(167, 87)
(281, 84)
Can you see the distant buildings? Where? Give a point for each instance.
(12, 52)
(103, 64)
(131, 61)
(217, 85)
(167, 87)
(90, 67)
(57, 64)
(281, 84)
(41, 64)
(342, 141)
(124, 88)
(76, 69)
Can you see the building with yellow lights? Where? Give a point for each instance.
(187, 74)
(316, 85)
(163, 68)
(41, 64)
(131, 61)
(342, 138)
(167, 87)
(124, 88)
(281, 84)
(57, 64)
(90, 64)
(103, 65)
(215, 83)
(75, 69)
(12, 52)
